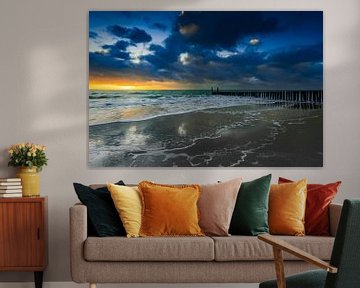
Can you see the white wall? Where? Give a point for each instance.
(43, 90)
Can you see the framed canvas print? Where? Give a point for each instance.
(205, 88)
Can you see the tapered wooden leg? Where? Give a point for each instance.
(279, 267)
(92, 285)
(38, 275)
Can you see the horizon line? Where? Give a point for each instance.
(255, 90)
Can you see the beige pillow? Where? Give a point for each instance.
(216, 205)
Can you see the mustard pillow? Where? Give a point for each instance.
(287, 204)
(169, 210)
(127, 201)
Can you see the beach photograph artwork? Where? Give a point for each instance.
(205, 89)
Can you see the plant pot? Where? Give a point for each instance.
(30, 181)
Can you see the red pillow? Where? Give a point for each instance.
(318, 200)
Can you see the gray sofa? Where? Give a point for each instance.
(234, 259)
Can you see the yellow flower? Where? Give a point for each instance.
(28, 154)
(11, 151)
(41, 147)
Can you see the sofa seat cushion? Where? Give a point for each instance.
(244, 248)
(149, 249)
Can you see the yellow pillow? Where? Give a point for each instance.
(127, 201)
(287, 204)
(169, 210)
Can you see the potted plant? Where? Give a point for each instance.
(30, 158)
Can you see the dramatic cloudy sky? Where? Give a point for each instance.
(199, 50)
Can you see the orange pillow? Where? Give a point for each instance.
(169, 210)
(287, 204)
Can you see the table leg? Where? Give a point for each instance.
(38, 279)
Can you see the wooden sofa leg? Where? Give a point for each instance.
(92, 285)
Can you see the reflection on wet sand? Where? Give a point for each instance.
(268, 134)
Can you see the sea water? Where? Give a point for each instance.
(125, 106)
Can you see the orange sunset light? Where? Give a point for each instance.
(132, 85)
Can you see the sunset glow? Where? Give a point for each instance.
(114, 84)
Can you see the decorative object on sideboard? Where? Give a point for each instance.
(10, 187)
(30, 158)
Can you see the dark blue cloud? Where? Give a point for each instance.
(298, 68)
(156, 48)
(296, 55)
(93, 35)
(118, 50)
(119, 45)
(135, 34)
(223, 29)
(164, 56)
(218, 50)
(102, 64)
(159, 26)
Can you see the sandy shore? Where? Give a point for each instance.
(247, 136)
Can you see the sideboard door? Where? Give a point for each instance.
(21, 235)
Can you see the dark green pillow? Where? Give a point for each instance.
(102, 215)
(250, 216)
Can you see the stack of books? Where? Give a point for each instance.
(10, 187)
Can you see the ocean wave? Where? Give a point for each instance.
(159, 104)
(104, 96)
(151, 117)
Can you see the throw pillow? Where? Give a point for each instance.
(102, 215)
(287, 204)
(216, 206)
(250, 215)
(169, 210)
(127, 201)
(318, 200)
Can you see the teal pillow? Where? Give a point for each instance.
(250, 216)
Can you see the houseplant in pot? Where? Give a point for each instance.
(30, 158)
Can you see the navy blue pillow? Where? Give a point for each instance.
(103, 217)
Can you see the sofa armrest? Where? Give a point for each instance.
(279, 246)
(334, 217)
(284, 246)
(78, 235)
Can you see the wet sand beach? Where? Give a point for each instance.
(239, 136)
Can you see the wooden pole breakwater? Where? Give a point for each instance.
(297, 96)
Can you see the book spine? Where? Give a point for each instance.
(10, 179)
(10, 183)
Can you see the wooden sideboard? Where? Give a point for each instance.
(23, 235)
